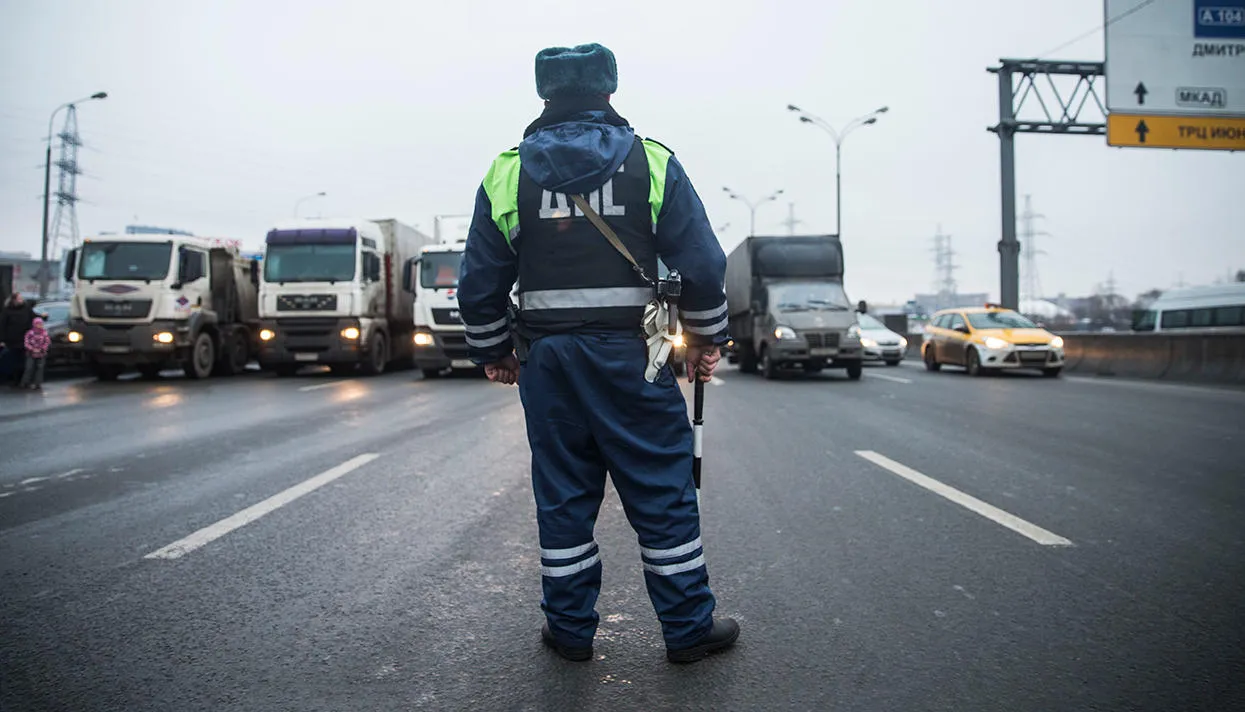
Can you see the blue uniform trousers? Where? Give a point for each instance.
(589, 410)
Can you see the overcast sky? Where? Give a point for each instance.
(222, 114)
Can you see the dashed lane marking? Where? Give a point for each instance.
(885, 377)
(318, 386)
(989, 511)
(210, 533)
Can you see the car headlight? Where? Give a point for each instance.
(164, 337)
(267, 335)
(1057, 342)
(994, 343)
(903, 343)
(423, 338)
(74, 337)
(785, 332)
(350, 332)
(869, 343)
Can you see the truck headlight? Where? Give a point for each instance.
(423, 338)
(678, 341)
(853, 331)
(74, 337)
(350, 332)
(267, 335)
(785, 332)
(994, 343)
(163, 337)
(1057, 342)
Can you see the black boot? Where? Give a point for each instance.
(578, 655)
(722, 635)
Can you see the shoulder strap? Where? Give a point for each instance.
(609, 234)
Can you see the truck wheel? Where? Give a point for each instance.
(768, 369)
(106, 371)
(374, 365)
(202, 358)
(747, 357)
(233, 360)
(855, 370)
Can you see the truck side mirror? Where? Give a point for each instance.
(255, 272)
(408, 275)
(71, 262)
(862, 307)
(371, 267)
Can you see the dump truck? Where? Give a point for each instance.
(788, 308)
(151, 302)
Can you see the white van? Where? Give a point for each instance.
(1218, 308)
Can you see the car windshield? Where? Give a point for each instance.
(809, 296)
(1000, 320)
(309, 263)
(439, 270)
(870, 323)
(125, 260)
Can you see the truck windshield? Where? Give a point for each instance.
(821, 296)
(125, 260)
(309, 263)
(439, 270)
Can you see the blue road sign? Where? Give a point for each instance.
(1219, 19)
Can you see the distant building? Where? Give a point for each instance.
(19, 272)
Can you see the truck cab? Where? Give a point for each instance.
(327, 295)
(440, 336)
(155, 301)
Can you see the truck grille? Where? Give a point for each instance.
(446, 316)
(455, 345)
(307, 302)
(822, 340)
(308, 335)
(118, 308)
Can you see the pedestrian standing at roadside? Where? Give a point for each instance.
(37, 343)
(15, 320)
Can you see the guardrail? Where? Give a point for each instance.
(1198, 358)
(1207, 358)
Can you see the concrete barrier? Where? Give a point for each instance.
(1207, 358)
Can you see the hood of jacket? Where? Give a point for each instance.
(576, 147)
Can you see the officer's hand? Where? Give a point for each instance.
(505, 371)
(702, 360)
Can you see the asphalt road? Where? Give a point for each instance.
(1089, 556)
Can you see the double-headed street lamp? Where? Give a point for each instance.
(752, 207)
(299, 202)
(838, 136)
(47, 190)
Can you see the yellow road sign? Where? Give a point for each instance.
(1150, 131)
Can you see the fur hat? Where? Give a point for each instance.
(37, 323)
(587, 69)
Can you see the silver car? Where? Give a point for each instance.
(879, 342)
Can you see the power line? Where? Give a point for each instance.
(1096, 29)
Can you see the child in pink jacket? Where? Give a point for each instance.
(37, 344)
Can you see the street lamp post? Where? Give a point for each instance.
(299, 202)
(752, 207)
(47, 190)
(838, 136)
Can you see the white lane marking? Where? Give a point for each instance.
(1228, 391)
(71, 473)
(215, 531)
(967, 501)
(318, 386)
(6, 494)
(31, 481)
(885, 377)
(714, 380)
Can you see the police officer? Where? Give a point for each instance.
(589, 405)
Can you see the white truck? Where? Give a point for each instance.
(330, 294)
(440, 337)
(153, 301)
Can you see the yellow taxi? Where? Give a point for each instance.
(989, 338)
